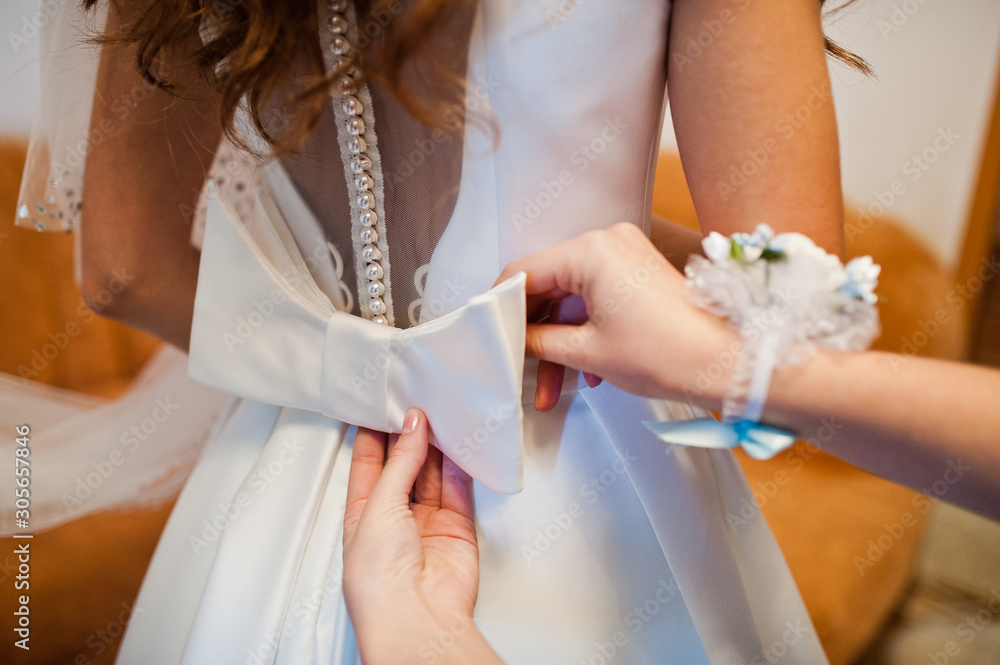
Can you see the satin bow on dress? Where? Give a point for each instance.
(265, 330)
(294, 348)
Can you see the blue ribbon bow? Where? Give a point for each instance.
(759, 441)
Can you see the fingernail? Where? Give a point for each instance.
(592, 379)
(411, 420)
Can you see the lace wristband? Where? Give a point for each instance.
(786, 297)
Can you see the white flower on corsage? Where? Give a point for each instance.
(786, 283)
(741, 247)
(861, 278)
(787, 297)
(717, 247)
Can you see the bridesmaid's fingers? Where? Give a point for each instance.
(557, 343)
(570, 310)
(548, 386)
(367, 459)
(393, 440)
(427, 488)
(405, 460)
(456, 489)
(556, 269)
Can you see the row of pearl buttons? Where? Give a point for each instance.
(361, 163)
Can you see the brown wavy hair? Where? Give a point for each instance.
(255, 45)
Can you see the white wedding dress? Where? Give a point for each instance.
(598, 543)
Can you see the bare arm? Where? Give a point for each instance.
(143, 178)
(754, 117)
(675, 241)
(928, 424)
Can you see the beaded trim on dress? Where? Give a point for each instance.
(352, 106)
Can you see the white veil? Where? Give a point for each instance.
(89, 454)
(52, 186)
(51, 192)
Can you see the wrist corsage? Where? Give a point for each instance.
(786, 297)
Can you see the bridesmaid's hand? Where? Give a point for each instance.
(411, 558)
(632, 323)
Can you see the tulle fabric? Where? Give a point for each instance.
(419, 170)
(89, 455)
(85, 451)
(52, 185)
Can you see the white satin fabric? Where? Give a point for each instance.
(267, 332)
(617, 549)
